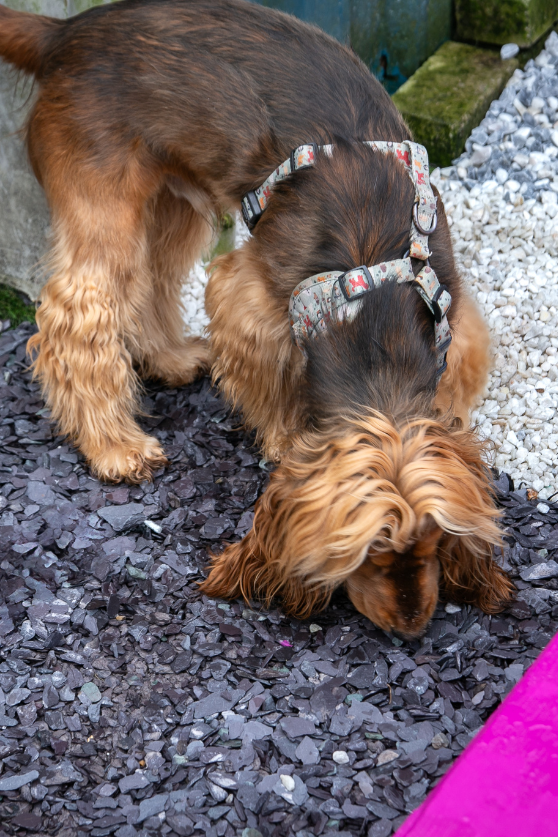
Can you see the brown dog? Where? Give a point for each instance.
(153, 118)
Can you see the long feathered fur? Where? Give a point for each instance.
(336, 499)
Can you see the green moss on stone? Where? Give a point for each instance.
(504, 21)
(449, 95)
(225, 239)
(15, 307)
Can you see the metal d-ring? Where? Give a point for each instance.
(418, 225)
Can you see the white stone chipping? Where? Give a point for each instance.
(194, 287)
(507, 255)
(502, 201)
(501, 198)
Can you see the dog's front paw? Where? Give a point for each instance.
(132, 463)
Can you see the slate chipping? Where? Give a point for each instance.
(131, 705)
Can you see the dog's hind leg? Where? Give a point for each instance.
(177, 235)
(93, 301)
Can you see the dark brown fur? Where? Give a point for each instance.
(153, 117)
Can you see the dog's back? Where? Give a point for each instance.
(164, 66)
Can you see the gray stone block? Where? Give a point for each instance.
(24, 217)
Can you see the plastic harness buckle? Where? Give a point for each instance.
(251, 209)
(438, 310)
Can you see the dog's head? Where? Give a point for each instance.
(393, 514)
(398, 591)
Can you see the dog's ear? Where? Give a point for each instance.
(254, 569)
(465, 511)
(471, 575)
(235, 571)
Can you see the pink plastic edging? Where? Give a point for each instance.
(505, 784)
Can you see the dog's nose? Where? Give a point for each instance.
(408, 635)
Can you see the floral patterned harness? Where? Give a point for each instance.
(335, 296)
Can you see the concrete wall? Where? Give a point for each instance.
(23, 210)
(24, 221)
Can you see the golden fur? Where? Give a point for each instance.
(113, 298)
(256, 363)
(342, 508)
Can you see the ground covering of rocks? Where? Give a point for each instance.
(502, 200)
(132, 705)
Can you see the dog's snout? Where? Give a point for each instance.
(410, 633)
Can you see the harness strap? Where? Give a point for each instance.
(334, 296)
(413, 156)
(254, 203)
(415, 159)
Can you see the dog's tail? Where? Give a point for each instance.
(25, 39)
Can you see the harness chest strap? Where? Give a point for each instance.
(334, 296)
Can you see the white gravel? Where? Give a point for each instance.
(194, 287)
(508, 256)
(192, 299)
(502, 201)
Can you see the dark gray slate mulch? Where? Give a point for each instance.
(131, 705)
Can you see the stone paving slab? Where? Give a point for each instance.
(449, 95)
(521, 22)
